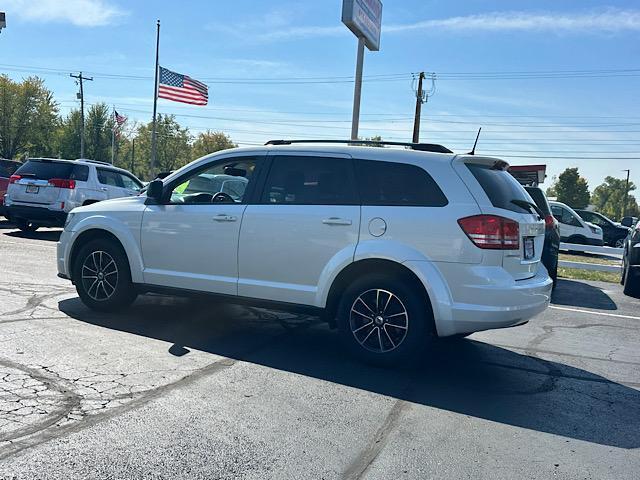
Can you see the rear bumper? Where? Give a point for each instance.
(486, 297)
(37, 215)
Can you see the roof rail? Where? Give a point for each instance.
(93, 161)
(423, 147)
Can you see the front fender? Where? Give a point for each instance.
(126, 231)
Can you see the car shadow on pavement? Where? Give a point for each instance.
(579, 294)
(46, 235)
(468, 377)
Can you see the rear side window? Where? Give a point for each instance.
(500, 187)
(309, 181)
(389, 183)
(540, 198)
(8, 168)
(109, 177)
(46, 169)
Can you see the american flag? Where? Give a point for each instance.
(180, 88)
(120, 119)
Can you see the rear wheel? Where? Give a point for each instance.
(25, 225)
(102, 276)
(619, 243)
(385, 321)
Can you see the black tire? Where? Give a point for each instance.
(105, 291)
(619, 242)
(25, 225)
(402, 337)
(631, 282)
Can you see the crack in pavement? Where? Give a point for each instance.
(76, 418)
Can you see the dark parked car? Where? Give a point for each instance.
(7, 168)
(631, 264)
(613, 233)
(551, 235)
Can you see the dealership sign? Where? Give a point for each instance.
(364, 19)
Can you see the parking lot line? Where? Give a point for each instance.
(592, 312)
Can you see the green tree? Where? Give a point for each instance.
(570, 188)
(97, 139)
(173, 148)
(209, 142)
(67, 136)
(28, 115)
(608, 198)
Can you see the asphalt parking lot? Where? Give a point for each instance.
(178, 388)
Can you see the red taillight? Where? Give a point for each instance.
(14, 178)
(62, 183)
(550, 222)
(492, 232)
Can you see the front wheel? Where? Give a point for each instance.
(384, 321)
(619, 243)
(102, 276)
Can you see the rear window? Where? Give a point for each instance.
(46, 170)
(8, 168)
(540, 198)
(389, 183)
(500, 187)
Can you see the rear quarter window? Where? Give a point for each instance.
(500, 187)
(401, 184)
(8, 168)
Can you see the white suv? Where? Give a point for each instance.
(44, 190)
(393, 246)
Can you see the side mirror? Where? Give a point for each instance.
(154, 191)
(627, 222)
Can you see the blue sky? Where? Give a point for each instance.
(249, 52)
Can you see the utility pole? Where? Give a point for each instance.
(133, 155)
(626, 195)
(152, 166)
(80, 78)
(419, 102)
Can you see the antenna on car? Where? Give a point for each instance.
(473, 150)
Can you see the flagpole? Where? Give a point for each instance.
(113, 135)
(152, 167)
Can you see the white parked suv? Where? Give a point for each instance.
(573, 229)
(393, 246)
(44, 190)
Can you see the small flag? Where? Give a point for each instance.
(181, 88)
(120, 119)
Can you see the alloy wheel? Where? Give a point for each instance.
(99, 275)
(379, 320)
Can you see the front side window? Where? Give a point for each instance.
(221, 183)
(389, 183)
(128, 182)
(565, 216)
(309, 181)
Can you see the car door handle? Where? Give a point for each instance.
(336, 221)
(104, 189)
(224, 218)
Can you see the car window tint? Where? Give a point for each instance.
(109, 177)
(309, 181)
(80, 173)
(46, 169)
(128, 182)
(8, 168)
(565, 216)
(389, 183)
(500, 187)
(539, 198)
(230, 178)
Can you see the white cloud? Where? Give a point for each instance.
(609, 20)
(83, 13)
